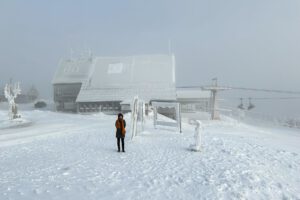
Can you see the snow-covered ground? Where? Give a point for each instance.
(67, 156)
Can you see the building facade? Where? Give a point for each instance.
(67, 82)
(109, 84)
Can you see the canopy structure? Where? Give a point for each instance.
(192, 94)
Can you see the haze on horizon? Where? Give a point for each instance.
(243, 43)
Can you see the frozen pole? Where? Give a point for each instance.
(134, 116)
(197, 137)
(215, 112)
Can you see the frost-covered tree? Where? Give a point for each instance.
(11, 92)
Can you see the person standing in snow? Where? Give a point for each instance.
(120, 131)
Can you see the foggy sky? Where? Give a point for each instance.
(244, 43)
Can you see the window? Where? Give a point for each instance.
(71, 69)
(115, 68)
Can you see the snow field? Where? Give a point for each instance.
(64, 156)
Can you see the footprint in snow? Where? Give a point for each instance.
(66, 171)
(294, 154)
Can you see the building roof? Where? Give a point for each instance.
(72, 71)
(120, 78)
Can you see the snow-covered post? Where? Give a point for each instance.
(154, 116)
(11, 93)
(141, 114)
(134, 116)
(178, 116)
(197, 137)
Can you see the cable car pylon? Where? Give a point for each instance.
(214, 89)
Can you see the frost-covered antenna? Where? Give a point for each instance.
(87, 54)
(215, 81)
(71, 54)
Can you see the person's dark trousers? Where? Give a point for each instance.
(123, 146)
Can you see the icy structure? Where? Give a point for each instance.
(137, 116)
(142, 114)
(134, 116)
(197, 137)
(11, 92)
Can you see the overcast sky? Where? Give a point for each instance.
(254, 43)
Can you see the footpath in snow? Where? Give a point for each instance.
(65, 156)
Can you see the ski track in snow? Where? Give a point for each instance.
(63, 156)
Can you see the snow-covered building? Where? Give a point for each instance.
(106, 83)
(68, 80)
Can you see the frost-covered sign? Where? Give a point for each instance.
(115, 68)
(176, 106)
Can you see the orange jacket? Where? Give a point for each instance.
(120, 126)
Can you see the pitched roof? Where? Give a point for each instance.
(72, 71)
(120, 78)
